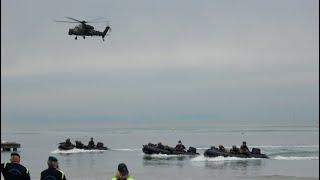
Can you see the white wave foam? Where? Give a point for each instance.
(286, 146)
(295, 158)
(163, 156)
(220, 158)
(202, 148)
(73, 151)
(271, 146)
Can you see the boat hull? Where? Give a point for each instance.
(147, 149)
(66, 147)
(216, 153)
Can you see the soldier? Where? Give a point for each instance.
(91, 143)
(180, 146)
(244, 148)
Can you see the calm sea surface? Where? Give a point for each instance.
(293, 148)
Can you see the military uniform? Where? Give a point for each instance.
(14, 171)
(52, 174)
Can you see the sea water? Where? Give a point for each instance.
(293, 149)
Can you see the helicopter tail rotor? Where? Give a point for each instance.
(108, 25)
(104, 33)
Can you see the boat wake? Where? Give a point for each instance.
(295, 158)
(74, 151)
(221, 158)
(202, 158)
(163, 155)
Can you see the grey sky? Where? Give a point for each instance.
(219, 60)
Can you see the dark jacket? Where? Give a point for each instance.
(244, 148)
(91, 144)
(52, 174)
(180, 147)
(14, 171)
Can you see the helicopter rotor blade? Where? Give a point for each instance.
(66, 21)
(95, 19)
(75, 19)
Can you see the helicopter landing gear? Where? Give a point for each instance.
(83, 37)
(76, 38)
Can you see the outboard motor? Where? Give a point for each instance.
(256, 151)
(192, 150)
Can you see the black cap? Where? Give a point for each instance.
(179, 141)
(122, 168)
(52, 158)
(15, 154)
(244, 142)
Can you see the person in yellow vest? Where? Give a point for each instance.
(122, 173)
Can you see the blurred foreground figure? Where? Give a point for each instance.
(53, 171)
(123, 173)
(14, 170)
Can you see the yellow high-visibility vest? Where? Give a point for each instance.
(129, 178)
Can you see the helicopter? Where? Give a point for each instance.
(83, 29)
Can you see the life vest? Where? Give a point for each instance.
(62, 173)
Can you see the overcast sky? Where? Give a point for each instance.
(187, 60)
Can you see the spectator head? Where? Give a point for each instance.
(15, 157)
(52, 162)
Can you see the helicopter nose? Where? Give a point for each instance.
(70, 32)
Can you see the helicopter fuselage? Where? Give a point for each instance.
(83, 29)
(87, 30)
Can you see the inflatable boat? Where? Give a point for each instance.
(79, 145)
(154, 149)
(255, 153)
